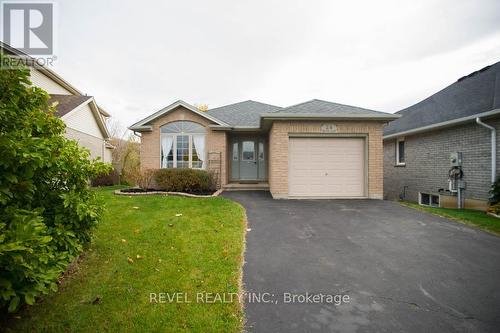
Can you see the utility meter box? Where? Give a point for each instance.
(456, 159)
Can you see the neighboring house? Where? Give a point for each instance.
(315, 149)
(418, 145)
(85, 120)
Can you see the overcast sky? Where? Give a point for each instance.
(137, 56)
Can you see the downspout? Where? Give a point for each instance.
(493, 148)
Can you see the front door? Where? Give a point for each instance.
(248, 159)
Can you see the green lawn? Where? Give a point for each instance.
(466, 216)
(200, 251)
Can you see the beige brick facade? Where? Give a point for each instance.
(278, 151)
(215, 142)
(216, 145)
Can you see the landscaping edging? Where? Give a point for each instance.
(180, 194)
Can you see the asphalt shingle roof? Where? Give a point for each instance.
(472, 94)
(319, 107)
(66, 103)
(245, 113)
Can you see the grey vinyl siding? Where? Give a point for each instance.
(92, 143)
(427, 161)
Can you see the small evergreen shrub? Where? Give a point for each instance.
(47, 210)
(185, 180)
(495, 192)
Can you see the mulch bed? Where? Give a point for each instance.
(140, 191)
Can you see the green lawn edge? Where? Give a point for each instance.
(71, 310)
(469, 217)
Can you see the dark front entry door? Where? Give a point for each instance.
(248, 159)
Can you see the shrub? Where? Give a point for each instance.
(113, 178)
(47, 210)
(143, 178)
(126, 158)
(185, 180)
(495, 192)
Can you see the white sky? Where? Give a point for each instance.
(138, 56)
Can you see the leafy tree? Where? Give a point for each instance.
(47, 210)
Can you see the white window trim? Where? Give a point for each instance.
(174, 149)
(398, 140)
(430, 199)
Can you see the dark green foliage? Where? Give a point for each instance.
(185, 180)
(113, 178)
(47, 210)
(495, 192)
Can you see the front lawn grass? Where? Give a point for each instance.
(467, 216)
(142, 247)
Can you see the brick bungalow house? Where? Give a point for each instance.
(315, 149)
(461, 118)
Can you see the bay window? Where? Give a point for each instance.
(182, 145)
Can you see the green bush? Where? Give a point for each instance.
(495, 192)
(47, 210)
(113, 178)
(185, 180)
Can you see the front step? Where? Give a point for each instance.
(246, 187)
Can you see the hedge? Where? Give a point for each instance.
(185, 180)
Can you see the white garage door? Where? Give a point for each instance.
(326, 167)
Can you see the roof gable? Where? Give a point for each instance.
(475, 93)
(251, 114)
(66, 103)
(143, 125)
(47, 72)
(320, 107)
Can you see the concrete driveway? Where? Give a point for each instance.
(404, 270)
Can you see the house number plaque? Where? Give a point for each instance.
(328, 128)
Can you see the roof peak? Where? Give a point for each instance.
(484, 69)
(142, 124)
(242, 102)
(328, 102)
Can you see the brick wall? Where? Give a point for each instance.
(278, 151)
(150, 141)
(427, 161)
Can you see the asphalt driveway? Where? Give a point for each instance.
(403, 270)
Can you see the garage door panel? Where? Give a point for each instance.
(332, 167)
